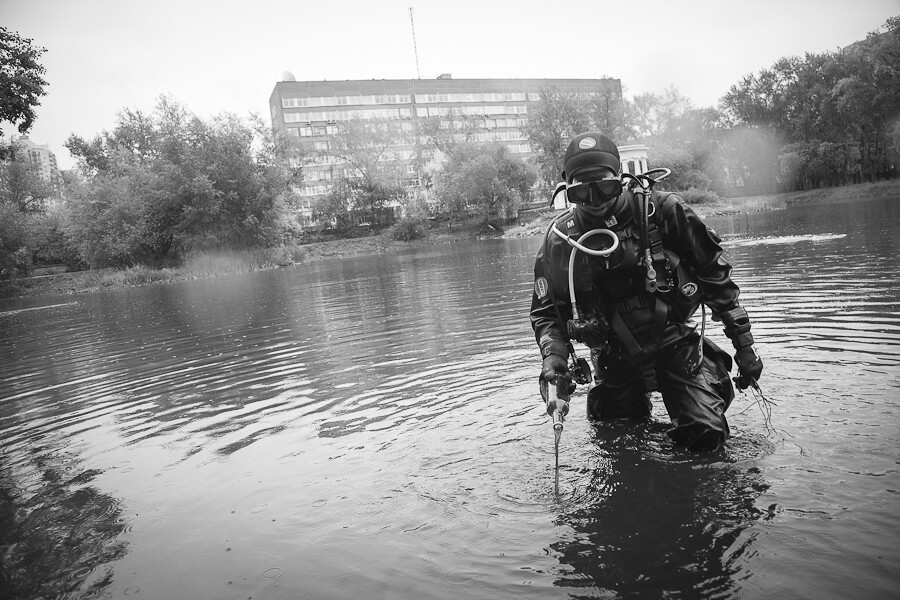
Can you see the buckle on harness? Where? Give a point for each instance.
(651, 272)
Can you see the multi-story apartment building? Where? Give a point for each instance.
(41, 159)
(490, 110)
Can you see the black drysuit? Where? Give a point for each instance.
(647, 343)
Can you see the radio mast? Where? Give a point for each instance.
(412, 23)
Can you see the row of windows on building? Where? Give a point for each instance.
(308, 192)
(333, 129)
(366, 100)
(312, 174)
(348, 115)
(497, 136)
(471, 111)
(392, 114)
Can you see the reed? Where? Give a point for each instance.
(212, 264)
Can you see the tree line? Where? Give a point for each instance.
(164, 184)
(805, 122)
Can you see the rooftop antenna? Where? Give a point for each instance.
(412, 22)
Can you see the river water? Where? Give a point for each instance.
(371, 428)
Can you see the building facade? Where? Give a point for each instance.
(41, 159)
(490, 110)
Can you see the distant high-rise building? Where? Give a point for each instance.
(480, 110)
(41, 159)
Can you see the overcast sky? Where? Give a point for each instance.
(226, 56)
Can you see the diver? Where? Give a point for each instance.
(644, 263)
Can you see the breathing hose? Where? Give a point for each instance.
(578, 246)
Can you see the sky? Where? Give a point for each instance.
(104, 56)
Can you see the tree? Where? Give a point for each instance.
(685, 174)
(685, 139)
(371, 180)
(554, 119)
(834, 112)
(110, 225)
(372, 201)
(20, 185)
(334, 207)
(23, 201)
(651, 115)
(363, 145)
(21, 81)
(487, 179)
(751, 156)
(607, 111)
(353, 202)
(868, 95)
(758, 100)
(558, 116)
(440, 135)
(163, 184)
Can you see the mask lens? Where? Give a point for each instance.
(603, 189)
(608, 188)
(579, 193)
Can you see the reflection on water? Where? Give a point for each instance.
(371, 427)
(56, 518)
(654, 520)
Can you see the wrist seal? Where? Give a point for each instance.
(553, 347)
(742, 340)
(737, 326)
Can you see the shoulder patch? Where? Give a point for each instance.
(541, 288)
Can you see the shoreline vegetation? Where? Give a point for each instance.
(204, 266)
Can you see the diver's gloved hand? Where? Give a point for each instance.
(552, 366)
(750, 367)
(556, 384)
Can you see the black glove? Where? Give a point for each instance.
(552, 366)
(555, 383)
(750, 367)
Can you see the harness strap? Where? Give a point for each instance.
(624, 334)
(664, 278)
(632, 304)
(658, 328)
(631, 345)
(634, 350)
(660, 317)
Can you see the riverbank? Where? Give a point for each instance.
(92, 281)
(752, 204)
(219, 265)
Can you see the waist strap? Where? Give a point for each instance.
(658, 327)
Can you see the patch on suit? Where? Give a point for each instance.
(570, 224)
(541, 287)
(689, 289)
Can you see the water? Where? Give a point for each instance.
(372, 428)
